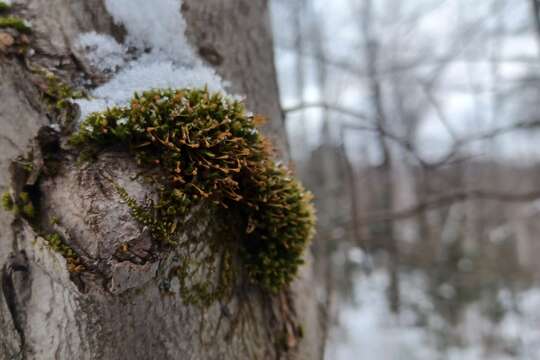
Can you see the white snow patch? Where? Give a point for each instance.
(368, 330)
(371, 332)
(55, 127)
(157, 25)
(94, 104)
(102, 51)
(163, 56)
(140, 76)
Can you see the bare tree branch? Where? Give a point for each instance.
(331, 107)
(372, 126)
(449, 199)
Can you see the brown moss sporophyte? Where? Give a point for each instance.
(207, 148)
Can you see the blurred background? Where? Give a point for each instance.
(416, 125)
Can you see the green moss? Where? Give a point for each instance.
(28, 210)
(25, 164)
(7, 201)
(21, 206)
(15, 23)
(57, 93)
(207, 148)
(24, 196)
(54, 240)
(56, 243)
(4, 6)
(300, 331)
(25, 206)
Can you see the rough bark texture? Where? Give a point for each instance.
(119, 311)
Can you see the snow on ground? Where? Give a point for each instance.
(367, 329)
(159, 55)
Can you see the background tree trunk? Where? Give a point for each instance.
(123, 314)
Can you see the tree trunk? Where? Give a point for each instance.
(122, 313)
(385, 170)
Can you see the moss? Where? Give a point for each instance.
(28, 210)
(300, 331)
(4, 6)
(21, 206)
(7, 201)
(56, 243)
(207, 148)
(15, 23)
(57, 93)
(25, 164)
(24, 196)
(29, 167)
(25, 208)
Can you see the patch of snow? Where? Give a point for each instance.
(371, 332)
(156, 25)
(55, 127)
(102, 51)
(148, 74)
(163, 57)
(368, 330)
(88, 106)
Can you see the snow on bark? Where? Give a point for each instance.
(163, 57)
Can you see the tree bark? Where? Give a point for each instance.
(121, 311)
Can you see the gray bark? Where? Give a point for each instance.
(120, 310)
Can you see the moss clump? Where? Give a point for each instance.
(58, 95)
(56, 92)
(28, 210)
(55, 242)
(15, 23)
(7, 201)
(21, 206)
(25, 205)
(24, 196)
(4, 6)
(205, 146)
